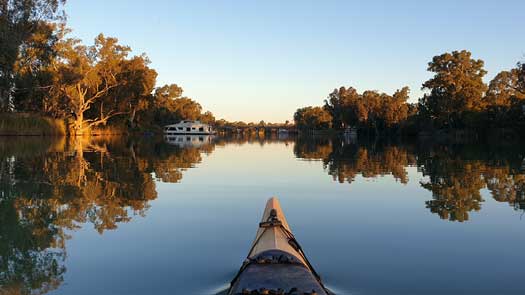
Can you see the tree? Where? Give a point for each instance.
(395, 108)
(457, 87)
(505, 88)
(313, 118)
(521, 76)
(33, 69)
(207, 118)
(134, 93)
(505, 95)
(19, 21)
(371, 109)
(343, 104)
(170, 106)
(85, 77)
(187, 109)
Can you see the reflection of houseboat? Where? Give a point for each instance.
(188, 127)
(189, 140)
(282, 133)
(350, 132)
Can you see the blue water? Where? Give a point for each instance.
(374, 235)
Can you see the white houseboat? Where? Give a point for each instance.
(188, 127)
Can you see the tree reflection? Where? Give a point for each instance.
(454, 174)
(47, 189)
(455, 187)
(345, 161)
(506, 187)
(457, 174)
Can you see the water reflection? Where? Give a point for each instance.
(345, 160)
(454, 174)
(457, 174)
(49, 187)
(189, 140)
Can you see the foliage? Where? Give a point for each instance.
(44, 195)
(370, 109)
(457, 99)
(453, 174)
(45, 72)
(456, 88)
(22, 23)
(315, 118)
(506, 98)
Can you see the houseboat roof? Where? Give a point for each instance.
(186, 123)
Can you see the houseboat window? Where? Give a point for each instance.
(201, 129)
(188, 138)
(193, 128)
(180, 128)
(171, 129)
(188, 129)
(201, 139)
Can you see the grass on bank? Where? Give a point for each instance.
(24, 124)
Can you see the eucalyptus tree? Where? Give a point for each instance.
(86, 74)
(170, 106)
(505, 88)
(456, 88)
(313, 118)
(133, 96)
(506, 97)
(20, 20)
(207, 117)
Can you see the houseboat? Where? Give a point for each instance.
(189, 127)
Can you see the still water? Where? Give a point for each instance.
(144, 216)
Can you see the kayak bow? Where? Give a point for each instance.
(276, 263)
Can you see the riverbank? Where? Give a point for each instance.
(437, 135)
(28, 124)
(25, 124)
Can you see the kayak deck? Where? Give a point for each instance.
(275, 263)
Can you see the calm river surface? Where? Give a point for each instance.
(142, 216)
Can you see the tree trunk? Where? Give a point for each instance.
(132, 118)
(79, 120)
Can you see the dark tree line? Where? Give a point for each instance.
(46, 72)
(456, 98)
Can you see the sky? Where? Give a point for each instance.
(261, 60)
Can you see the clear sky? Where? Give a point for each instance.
(261, 60)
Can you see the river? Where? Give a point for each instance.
(147, 216)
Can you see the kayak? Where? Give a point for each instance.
(276, 264)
